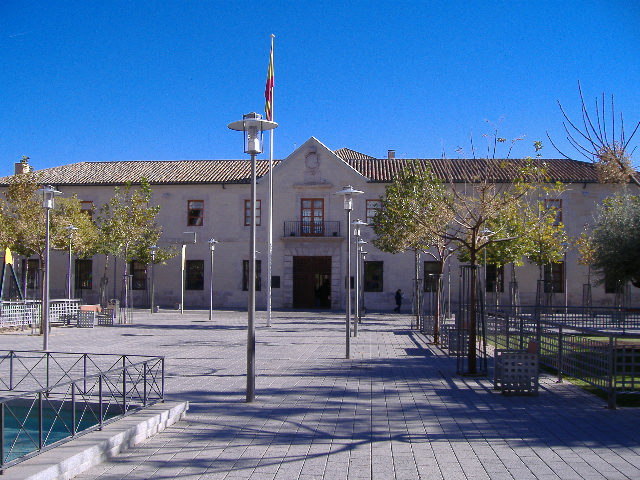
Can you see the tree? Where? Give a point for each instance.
(410, 220)
(615, 240)
(128, 230)
(601, 137)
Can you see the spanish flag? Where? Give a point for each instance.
(268, 89)
(8, 258)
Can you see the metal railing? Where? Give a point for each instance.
(53, 397)
(28, 312)
(311, 229)
(604, 355)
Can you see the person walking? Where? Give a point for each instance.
(398, 301)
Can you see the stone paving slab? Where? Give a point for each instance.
(395, 410)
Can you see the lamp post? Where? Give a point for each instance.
(359, 265)
(356, 232)
(252, 125)
(363, 256)
(153, 249)
(48, 195)
(71, 229)
(212, 247)
(348, 192)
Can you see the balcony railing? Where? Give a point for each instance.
(311, 229)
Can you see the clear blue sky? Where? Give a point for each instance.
(87, 80)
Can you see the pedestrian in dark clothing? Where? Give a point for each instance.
(398, 301)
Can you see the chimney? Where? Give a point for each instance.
(391, 154)
(22, 166)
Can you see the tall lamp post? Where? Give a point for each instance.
(356, 232)
(348, 192)
(71, 229)
(363, 255)
(360, 266)
(212, 247)
(252, 124)
(153, 249)
(48, 195)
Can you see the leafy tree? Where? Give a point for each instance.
(615, 240)
(128, 230)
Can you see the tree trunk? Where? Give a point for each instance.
(471, 354)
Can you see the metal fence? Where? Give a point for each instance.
(598, 348)
(29, 312)
(311, 229)
(53, 397)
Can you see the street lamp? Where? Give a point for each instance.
(360, 265)
(153, 250)
(252, 125)
(212, 247)
(348, 192)
(363, 256)
(71, 229)
(356, 232)
(48, 195)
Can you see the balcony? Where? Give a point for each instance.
(311, 229)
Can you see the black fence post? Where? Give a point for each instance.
(100, 406)
(144, 381)
(40, 420)
(612, 372)
(73, 409)
(560, 354)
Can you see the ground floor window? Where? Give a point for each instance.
(494, 278)
(194, 272)
(84, 274)
(138, 271)
(373, 275)
(31, 270)
(245, 275)
(432, 269)
(554, 278)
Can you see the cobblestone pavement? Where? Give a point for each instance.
(395, 410)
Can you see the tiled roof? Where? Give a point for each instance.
(156, 172)
(348, 154)
(239, 171)
(497, 170)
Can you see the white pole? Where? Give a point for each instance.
(182, 262)
(270, 208)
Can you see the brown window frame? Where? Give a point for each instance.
(88, 211)
(369, 209)
(247, 213)
(192, 219)
(312, 227)
(555, 203)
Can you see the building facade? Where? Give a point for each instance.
(210, 199)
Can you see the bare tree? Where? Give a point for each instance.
(600, 137)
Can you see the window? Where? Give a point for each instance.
(372, 208)
(494, 278)
(245, 275)
(611, 285)
(373, 274)
(432, 269)
(138, 271)
(195, 213)
(275, 281)
(554, 278)
(312, 216)
(84, 274)
(555, 204)
(31, 268)
(194, 271)
(87, 208)
(247, 213)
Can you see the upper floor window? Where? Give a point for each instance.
(195, 213)
(247, 213)
(556, 205)
(372, 208)
(312, 216)
(87, 207)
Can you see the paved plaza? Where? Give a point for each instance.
(395, 410)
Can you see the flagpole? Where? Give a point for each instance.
(270, 201)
